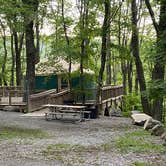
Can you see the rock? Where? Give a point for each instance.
(11, 108)
(150, 123)
(157, 130)
(163, 136)
(116, 113)
(140, 118)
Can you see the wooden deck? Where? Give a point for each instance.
(12, 96)
(110, 95)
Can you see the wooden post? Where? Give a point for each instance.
(10, 101)
(59, 83)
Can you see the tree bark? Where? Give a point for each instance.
(5, 53)
(105, 36)
(108, 68)
(135, 51)
(124, 76)
(68, 44)
(30, 45)
(159, 63)
(13, 60)
(18, 56)
(129, 70)
(37, 41)
(84, 44)
(159, 67)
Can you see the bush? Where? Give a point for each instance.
(131, 101)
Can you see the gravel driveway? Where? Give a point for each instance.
(92, 133)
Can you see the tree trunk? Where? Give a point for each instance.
(5, 54)
(129, 69)
(135, 51)
(37, 41)
(105, 36)
(159, 67)
(30, 57)
(108, 68)
(13, 60)
(18, 59)
(84, 44)
(136, 84)
(114, 70)
(30, 45)
(159, 64)
(68, 44)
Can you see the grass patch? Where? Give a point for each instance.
(7, 132)
(138, 141)
(75, 152)
(60, 151)
(139, 164)
(53, 149)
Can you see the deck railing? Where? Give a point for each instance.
(13, 91)
(108, 92)
(11, 95)
(35, 101)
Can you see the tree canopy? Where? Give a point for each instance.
(123, 42)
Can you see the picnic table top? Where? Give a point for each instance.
(65, 106)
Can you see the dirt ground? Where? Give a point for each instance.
(92, 133)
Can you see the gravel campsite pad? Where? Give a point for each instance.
(89, 143)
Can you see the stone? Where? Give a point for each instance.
(116, 113)
(11, 108)
(139, 118)
(157, 130)
(163, 136)
(150, 123)
(164, 144)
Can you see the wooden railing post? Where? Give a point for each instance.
(10, 100)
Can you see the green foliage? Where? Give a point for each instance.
(138, 141)
(139, 163)
(131, 101)
(157, 89)
(7, 132)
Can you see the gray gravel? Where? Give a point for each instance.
(28, 152)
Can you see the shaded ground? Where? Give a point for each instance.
(90, 143)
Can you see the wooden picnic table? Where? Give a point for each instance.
(58, 111)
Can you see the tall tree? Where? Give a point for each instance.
(136, 54)
(160, 60)
(105, 36)
(18, 48)
(3, 33)
(67, 42)
(31, 7)
(84, 22)
(13, 60)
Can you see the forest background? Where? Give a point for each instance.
(123, 42)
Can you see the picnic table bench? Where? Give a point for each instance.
(59, 111)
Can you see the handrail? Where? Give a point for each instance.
(111, 87)
(42, 94)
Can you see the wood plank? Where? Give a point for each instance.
(64, 106)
